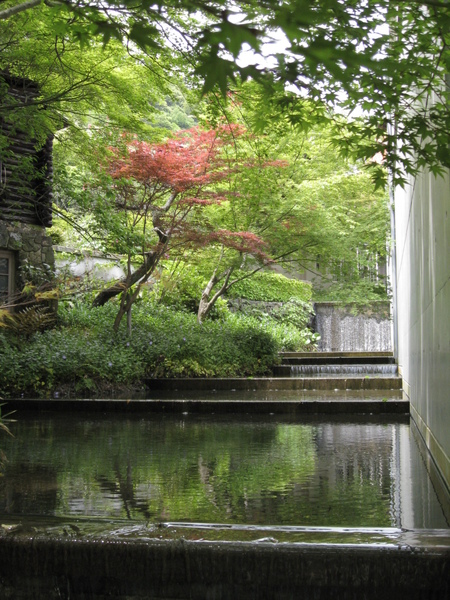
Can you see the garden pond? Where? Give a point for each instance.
(248, 476)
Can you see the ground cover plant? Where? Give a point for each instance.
(83, 355)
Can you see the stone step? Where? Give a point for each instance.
(336, 357)
(345, 365)
(278, 402)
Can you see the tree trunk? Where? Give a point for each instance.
(129, 321)
(150, 261)
(205, 304)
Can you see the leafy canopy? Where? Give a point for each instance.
(389, 57)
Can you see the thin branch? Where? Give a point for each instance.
(6, 13)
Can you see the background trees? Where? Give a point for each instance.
(257, 192)
(314, 210)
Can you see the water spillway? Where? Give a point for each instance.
(366, 369)
(336, 370)
(97, 569)
(345, 328)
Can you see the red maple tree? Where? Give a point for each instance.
(167, 184)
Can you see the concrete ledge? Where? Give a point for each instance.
(280, 383)
(327, 355)
(175, 405)
(98, 568)
(337, 360)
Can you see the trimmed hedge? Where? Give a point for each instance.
(266, 286)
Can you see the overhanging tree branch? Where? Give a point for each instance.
(6, 13)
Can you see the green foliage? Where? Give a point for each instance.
(182, 285)
(288, 322)
(388, 57)
(174, 113)
(266, 286)
(81, 89)
(320, 212)
(28, 321)
(361, 293)
(83, 355)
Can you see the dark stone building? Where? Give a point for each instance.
(26, 252)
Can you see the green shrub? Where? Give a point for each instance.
(287, 322)
(266, 286)
(184, 289)
(83, 354)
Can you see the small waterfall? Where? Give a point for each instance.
(336, 370)
(343, 330)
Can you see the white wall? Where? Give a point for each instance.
(83, 264)
(422, 308)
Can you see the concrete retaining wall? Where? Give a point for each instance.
(422, 307)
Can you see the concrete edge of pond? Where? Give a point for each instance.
(33, 566)
(385, 406)
(280, 383)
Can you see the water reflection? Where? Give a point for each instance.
(218, 470)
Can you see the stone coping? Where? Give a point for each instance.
(329, 354)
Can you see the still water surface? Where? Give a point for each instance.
(211, 469)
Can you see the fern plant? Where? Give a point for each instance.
(28, 321)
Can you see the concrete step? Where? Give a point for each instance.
(272, 401)
(374, 382)
(337, 358)
(314, 359)
(334, 354)
(377, 370)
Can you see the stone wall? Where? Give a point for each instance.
(348, 329)
(32, 251)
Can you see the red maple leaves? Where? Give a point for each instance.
(191, 159)
(186, 169)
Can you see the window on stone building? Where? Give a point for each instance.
(6, 275)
